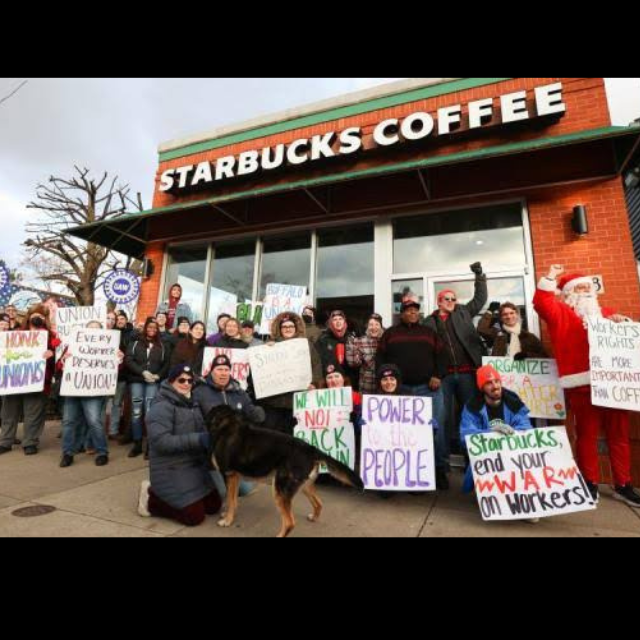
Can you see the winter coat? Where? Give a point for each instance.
(225, 342)
(475, 419)
(463, 328)
(361, 352)
(499, 339)
(179, 467)
(285, 400)
(137, 360)
(182, 309)
(209, 396)
(326, 346)
(188, 352)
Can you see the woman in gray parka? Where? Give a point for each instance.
(181, 486)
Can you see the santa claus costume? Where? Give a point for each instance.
(569, 336)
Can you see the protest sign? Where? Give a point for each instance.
(22, 365)
(250, 311)
(536, 382)
(531, 474)
(91, 370)
(397, 444)
(614, 353)
(239, 358)
(280, 298)
(70, 318)
(280, 368)
(323, 422)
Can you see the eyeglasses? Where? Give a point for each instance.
(185, 381)
(288, 326)
(448, 299)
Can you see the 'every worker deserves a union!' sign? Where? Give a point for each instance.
(397, 444)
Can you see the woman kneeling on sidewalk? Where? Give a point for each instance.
(181, 486)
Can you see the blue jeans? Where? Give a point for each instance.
(77, 413)
(437, 408)
(116, 408)
(141, 396)
(218, 480)
(460, 387)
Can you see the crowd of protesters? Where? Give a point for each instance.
(166, 394)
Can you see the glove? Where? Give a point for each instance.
(494, 307)
(497, 426)
(476, 267)
(149, 378)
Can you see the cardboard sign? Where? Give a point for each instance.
(70, 318)
(531, 474)
(92, 368)
(614, 352)
(536, 382)
(240, 368)
(280, 368)
(221, 301)
(397, 444)
(323, 422)
(22, 367)
(280, 298)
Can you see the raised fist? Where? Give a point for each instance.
(494, 307)
(476, 267)
(555, 270)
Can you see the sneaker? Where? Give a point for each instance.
(143, 499)
(67, 461)
(442, 481)
(4, 450)
(628, 495)
(593, 490)
(30, 451)
(101, 460)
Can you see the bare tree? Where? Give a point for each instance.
(14, 91)
(65, 203)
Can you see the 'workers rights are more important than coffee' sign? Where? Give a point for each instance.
(614, 352)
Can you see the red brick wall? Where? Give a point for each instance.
(150, 288)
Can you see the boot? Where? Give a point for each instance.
(137, 449)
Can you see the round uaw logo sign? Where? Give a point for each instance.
(4, 277)
(121, 286)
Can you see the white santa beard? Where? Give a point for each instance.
(585, 304)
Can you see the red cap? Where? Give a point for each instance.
(485, 374)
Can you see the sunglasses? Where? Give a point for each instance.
(185, 381)
(448, 299)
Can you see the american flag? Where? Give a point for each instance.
(6, 293)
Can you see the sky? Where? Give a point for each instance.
(116, 125)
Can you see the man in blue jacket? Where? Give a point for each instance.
(495, 409)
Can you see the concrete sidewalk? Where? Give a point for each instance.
(101, 501)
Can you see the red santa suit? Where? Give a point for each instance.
(571, 347)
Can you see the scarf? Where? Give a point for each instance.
(514, 343)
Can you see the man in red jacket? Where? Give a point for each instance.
(567, 321)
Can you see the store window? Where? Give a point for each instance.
(187, 266)
(285, 260)
(345, 273)
(449, 242)
(231, 278)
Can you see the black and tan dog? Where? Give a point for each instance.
(241, 450)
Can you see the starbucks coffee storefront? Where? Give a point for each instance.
(366, 196)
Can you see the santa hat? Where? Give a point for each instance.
(568, 282)
(485, 374)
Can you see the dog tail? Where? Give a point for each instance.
(342, 473)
